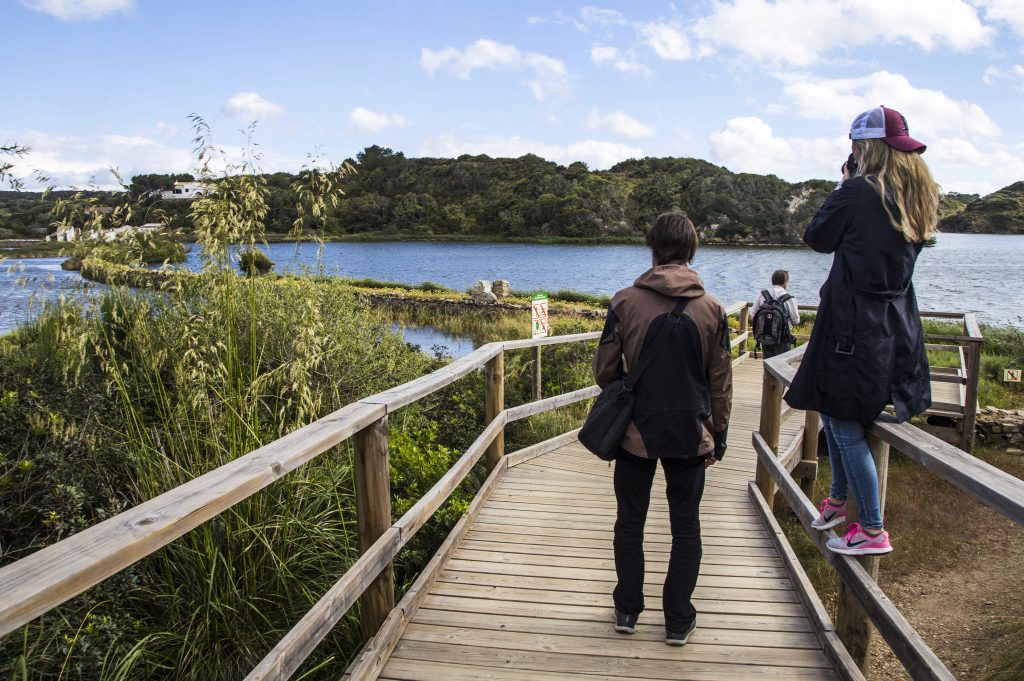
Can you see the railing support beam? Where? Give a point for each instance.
(852, 624)
(536, 373)
(809, 452)
(494, 403)
(771, 423)
(973, 369)
(373, 519)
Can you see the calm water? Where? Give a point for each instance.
(972, 272)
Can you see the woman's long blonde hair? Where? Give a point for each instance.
(903, 176)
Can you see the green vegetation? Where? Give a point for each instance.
(254, 262)
(381, 194)
(1001, 212)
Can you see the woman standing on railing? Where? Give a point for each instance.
(867, 347)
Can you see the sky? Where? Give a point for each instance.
(753, 85)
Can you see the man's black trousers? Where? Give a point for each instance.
(685, 486)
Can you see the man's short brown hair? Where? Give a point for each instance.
(672, 239)
(780, 277)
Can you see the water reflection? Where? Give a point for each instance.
(432, 341)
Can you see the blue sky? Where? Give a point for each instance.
(754, 85)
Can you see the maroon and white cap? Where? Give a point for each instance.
(885, 124)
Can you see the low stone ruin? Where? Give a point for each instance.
(1002, 426)
(501, 289)
(482, 293)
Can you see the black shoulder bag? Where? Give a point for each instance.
(606, 423)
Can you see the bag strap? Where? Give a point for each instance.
(785, 298)
(766, 296)
(645, 357)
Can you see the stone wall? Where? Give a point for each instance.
(1002, 427)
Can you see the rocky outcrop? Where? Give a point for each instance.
(1002, 426)
(501, 289)
(481, 292)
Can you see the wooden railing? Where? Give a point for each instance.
(968, 346)
(792, 472)
(47, 578)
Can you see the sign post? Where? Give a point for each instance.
(539, 317)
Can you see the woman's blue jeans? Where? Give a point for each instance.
(853, 467)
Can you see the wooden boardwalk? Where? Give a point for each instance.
(527, 592)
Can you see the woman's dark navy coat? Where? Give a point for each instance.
(867, 346)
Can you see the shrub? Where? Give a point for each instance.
(254, 262)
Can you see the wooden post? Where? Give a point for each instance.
(809, 451)
(973, 357)
(852, 625)
(744, 327)
(771, 422)
(494, 403)
(373, 518)
(536, 373)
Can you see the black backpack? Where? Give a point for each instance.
(771, 322)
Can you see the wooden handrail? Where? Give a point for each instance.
(54, 574)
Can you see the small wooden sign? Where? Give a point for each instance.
(539, 314)
(1011, 375)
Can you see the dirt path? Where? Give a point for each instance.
(961, 613)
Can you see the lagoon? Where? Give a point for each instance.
(971, 272)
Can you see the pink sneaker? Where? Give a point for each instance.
(859, 543)
(830, 515)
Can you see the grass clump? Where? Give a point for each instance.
(254, 263)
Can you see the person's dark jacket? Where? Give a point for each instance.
(867, 347)
(684, 397)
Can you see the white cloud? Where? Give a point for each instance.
(748, 144)
(77, 161)
(250, 106)
(371, 121)
(668, 40)
(790, 31)
(1010, 12)
(621, 61)
(77, 10)
(548, 75)
(929, 112)
(620, 122)
(603, 17)
(596, 154)
(958, 165)
(994, 74)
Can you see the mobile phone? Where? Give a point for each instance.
(850, 165)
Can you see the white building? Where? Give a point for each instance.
(184, 190)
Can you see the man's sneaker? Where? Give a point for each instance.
(676, 638)
(830, 515)
(625, 623)
(859, 543)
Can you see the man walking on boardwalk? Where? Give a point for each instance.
(773, 312)
(681, 416)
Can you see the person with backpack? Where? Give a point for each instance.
(867, 347)
(674, 335)
(773, 312)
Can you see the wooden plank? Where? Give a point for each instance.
(52, 575)
(533, 451)
(604, 613)
(632, 646)
(842, 661)
(703, 600)
(550, 340)
(541, 663)
(407, 393)
(532, 408)
(526, 553)
(375, 653)
(436, 496)
(281, 662)
(373, 518)
(494, 407)
(989, 485)
(648, 628)
(917, 658)
(652, 589)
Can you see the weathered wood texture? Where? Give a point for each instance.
(527, 592)
(494, 403)
(373, 518)
(917, 658)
